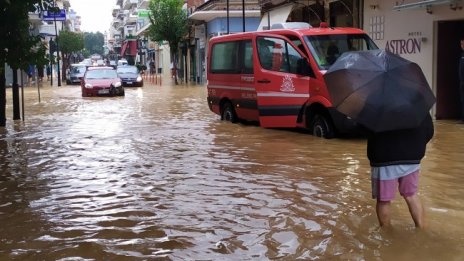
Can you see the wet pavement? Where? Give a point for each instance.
(155, 175)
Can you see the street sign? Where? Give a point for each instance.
(54, 16)
(143, 13)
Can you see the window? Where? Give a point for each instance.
(224, 58)
(232, 57)
(277, 55)
(101, 74)
(327, 48)
(247, 57)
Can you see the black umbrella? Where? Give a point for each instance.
(380, 90)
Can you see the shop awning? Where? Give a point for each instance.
(422, 4)
(213, 14)
(123, 48)
(278, 15)
(132, 48)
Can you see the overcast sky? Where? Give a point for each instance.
(96, 15)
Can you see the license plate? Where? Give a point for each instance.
(129, 82)
(104, 91)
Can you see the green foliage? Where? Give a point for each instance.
(168, 21)
(19, 47)
(70, 42)
(86, 53)
(93, 42)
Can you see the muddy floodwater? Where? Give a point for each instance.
(155, 175)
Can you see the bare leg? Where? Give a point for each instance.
(383, 213)
(416, 210)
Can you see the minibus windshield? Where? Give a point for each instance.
(327, 48)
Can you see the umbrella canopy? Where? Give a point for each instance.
(379, 90)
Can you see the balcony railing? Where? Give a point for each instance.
(116, 10)
(143, 4)
(128, 4)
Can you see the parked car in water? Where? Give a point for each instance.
(101, 81)
(87, 62)
(122, 62)
(75, 73)
(130, 75)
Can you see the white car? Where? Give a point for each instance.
(122, 62)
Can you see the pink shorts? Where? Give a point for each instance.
(385, 190)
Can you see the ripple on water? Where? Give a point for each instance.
(156, 175)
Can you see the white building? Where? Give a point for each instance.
(425, 32)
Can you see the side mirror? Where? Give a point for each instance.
(303, 68)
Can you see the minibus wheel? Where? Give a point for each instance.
(228, 113)
(322, 127)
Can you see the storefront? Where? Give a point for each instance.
(425, 32)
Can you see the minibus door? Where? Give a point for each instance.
(281, 92)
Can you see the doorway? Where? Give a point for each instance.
(448, 55)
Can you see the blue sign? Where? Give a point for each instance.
(54, 16)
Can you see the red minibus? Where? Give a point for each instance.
(275, 77)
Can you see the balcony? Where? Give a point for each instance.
(35, 17)
(116, 22)
(47, 29)
(128, 4)
(116, 10)
(66, 3)
(143, 4)
(123, 13)
(131, 19)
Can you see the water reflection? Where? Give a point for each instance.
(155, 175)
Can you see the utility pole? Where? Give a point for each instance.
(57, 47)
(243, 14)
(50, 44)
(228, 31)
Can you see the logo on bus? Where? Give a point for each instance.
(287, 84)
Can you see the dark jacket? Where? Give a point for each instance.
(399, 146)
(461, 69)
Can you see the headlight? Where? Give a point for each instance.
(139, 78)
(117, 84)
(88, 86)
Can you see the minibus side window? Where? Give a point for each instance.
(225, 58)
(265, 48)
(247, 57)
(292, 57)
(278, 55)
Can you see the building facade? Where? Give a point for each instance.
(427, 33)
(212, 19)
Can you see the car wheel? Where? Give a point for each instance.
(228, 113)
(122, 93)
(112, 91)
(322, 127)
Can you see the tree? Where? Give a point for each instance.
(93, 42)
(18, 47)
(70, 42)
(168, 23)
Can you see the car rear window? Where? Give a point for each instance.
(128, 70)
(101, 74)
(78, 69)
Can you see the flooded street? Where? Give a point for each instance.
(155, 175)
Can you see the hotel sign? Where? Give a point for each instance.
(410, 45)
